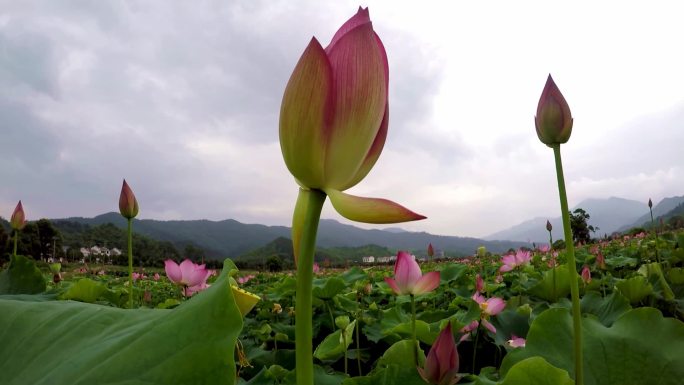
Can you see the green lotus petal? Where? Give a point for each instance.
(370, 210)
(64, 342)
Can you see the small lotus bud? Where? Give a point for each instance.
(342, 321)
(481, 251)
(650, 203)
(586, 274)
(548, 226)
(18, 220)
(430, 250)
(553, 120)
(277, 309)
(128, 205)
(57, 278)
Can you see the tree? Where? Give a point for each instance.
(581, 229)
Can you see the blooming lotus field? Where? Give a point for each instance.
(485, 319)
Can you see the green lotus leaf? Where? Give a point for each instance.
(65, 342)
(334, 346)
(641, 347)
(22, 277)
(635, 289)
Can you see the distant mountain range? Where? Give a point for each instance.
(609, 215)
(230, 238)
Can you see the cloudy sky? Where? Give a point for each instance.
(182, 99)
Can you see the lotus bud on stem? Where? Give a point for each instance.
(553, 123)
(17, 222)
(128, 207)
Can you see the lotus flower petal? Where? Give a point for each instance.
(489, 326)
(173, 271)
(370, 210)
(304, 115)
(427, 283)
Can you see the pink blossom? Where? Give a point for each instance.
(441, 364)
(516, 342)
(586, 274)
(511, 261)
(601, 261)
(488, 307)
(187, 274)
(137, 276)
(408, 278)
(544, 248)
(156, 276)
(316, 268)
(479, 284)
(191, 290)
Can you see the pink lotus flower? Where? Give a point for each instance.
(18, 219)
(586, 274)
(441, 364)
(191, 290)
(511, 261)
(408, 279)
(316, 268)
(187, 274)
(479, 284)
(137, 276)
(488, 307)
(128, 205)
(156, 276)
(544, 248)
(601, 261)
(516, 342)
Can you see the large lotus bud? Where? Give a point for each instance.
(334, 119)
(128, 205)
(430, 250)
(650, 203)
(553, 120)
(18, 220)
(441, 364)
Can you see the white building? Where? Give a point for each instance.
(369, 259)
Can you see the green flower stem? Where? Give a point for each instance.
(358, 344)
(572, 267)
(313, 204)
(16, 238)
(413, 329)
(655, 231)
(477, 337)
(130, 263)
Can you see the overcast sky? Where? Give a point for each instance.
(182, 99)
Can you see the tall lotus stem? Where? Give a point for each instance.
(572, 267)
(413, 329)
(130, 262)
(311, 202)
(655, 229)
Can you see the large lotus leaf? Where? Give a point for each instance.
(327, 288)
(334, 346)
(394, 367)
(547, 290)
(607, 309)
(65, 342)
(635, 289)
(642, 347)
(22, 277)
(536, 371)
(85, 290)
(452, 272)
